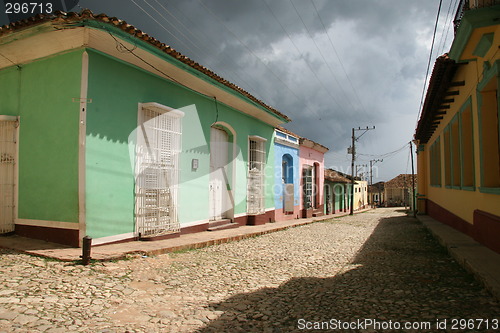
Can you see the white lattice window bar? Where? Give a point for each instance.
(256, 165)
(157, 170)
(307, 181)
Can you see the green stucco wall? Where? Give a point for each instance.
(42, 93)
(116, 89)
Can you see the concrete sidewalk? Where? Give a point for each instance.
(482, 262)
(184, 242)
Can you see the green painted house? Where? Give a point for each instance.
(336, 190)
(107, 132)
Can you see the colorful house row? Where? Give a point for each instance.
(458, 130)
(299, 176)
(107, 132)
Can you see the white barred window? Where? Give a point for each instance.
(157, 169)
(8, 129)
(256, 165)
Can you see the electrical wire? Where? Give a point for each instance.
(12, 62)
(179, 31)
(338, 57)
(429, 61)
(154, 19)
(300, 54)
(386, 155)
(248, 49)
(439, 44)
(447, 26)
(320, 53)
(201, 41)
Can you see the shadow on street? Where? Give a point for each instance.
(401, 274)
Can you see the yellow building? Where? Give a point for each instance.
(458, 130)
(360, 194)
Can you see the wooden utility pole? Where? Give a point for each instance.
(413, 181)
(353, 152)
(351, 194)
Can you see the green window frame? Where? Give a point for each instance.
(459, 150)
(447, 157)
(466, 126)
(456, 154)
(489, 128)
(435, 163)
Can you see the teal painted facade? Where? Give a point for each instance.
(110, 122)
(41, 97)
(338, 196)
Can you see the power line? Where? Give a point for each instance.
(184, 27)
(248, 49)
(386, 155)
(154, 19)
(300, 54)
(446, 27)
(429, 61)
(339, 59)
(319, 50)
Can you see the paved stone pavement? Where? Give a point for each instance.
(379, 265)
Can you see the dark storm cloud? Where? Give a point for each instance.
(265, 46)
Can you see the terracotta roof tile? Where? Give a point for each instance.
(377, 187)
(284, 130)
(400, 181)
(86, 15)
(335, 176)
(317, 146)
(442, 75)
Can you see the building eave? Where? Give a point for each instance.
(225, 91)
(313, 145)
(435, 104)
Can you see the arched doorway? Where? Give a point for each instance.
(220, 203)
(287, 181)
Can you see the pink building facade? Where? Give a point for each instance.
(312, 173)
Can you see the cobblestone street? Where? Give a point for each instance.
(377, 265)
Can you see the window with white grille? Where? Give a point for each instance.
(256, 164)
(7, 169)
(157, 170)
(307, 181)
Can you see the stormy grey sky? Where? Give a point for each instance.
(329, 65)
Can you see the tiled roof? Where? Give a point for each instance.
(377, 187)
(400, 181)
(86, 15)
(284, 130)
(335, 176)
(436, 98)
(312, 144)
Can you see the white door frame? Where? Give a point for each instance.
(229, 173)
